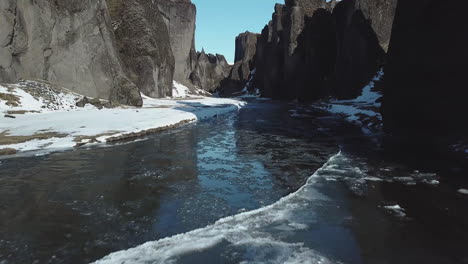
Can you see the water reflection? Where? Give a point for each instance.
(78, 206)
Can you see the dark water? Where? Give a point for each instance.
(79, 206)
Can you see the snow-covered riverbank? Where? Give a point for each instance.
(51, 121)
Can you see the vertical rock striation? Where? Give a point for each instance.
(209, 71)
(144, 45)
(363, 32)
(295, 51)
(66, 42)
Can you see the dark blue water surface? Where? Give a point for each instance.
(78, 206)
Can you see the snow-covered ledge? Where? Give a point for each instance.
(34, 116)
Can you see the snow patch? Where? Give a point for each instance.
(463, 191)
(396, 210)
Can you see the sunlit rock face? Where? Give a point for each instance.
(425, 77)
(144, 45)
(69, 43)
(180, 18)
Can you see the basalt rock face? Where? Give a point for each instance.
(246, 46)
(311, 49)
(269, 59)
(240, 74)
(144, 46)
(363, 32)
(180, 18)
(309, 55)
(209, 71)
(425, 77)
(69, 43)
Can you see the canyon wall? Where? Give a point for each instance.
(69, 43)
(209, 71)
(363, 29)
(312, 49)
(244, 64)
(180, 18)
(425, 77)
(143, 45)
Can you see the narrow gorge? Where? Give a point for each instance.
(327, 131)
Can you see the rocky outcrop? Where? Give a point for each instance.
(144, 45)
(246, 47)
(311, 49)
(292, 48)
(240, 74)
(363, 30)
(67, 42)
(209, 71)
(180, 18)
(425, 76)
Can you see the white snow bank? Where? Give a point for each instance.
(90, 123)
(247, 230)
(463, 191)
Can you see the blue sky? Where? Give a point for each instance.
(220, 21)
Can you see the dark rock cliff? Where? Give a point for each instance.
(209, 70)
(180, 18)
(295, 51)
(240, 74)
(144, 45)
(425, 77)
(311, 49)
(69, 43)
